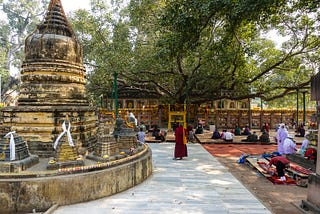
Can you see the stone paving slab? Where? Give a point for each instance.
(198, 184)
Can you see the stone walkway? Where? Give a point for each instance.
(197, 184)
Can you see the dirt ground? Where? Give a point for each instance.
(279, 199)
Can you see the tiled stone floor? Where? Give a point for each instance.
(197, 184)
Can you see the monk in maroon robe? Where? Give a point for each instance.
(180, 149)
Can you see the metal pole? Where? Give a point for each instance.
(304, 107)
(297, 107)
(249, 113)
(115, 90)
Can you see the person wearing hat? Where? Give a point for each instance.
(282, 134)
(289, 146)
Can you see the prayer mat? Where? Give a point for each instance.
(300, 169)
(273, 177)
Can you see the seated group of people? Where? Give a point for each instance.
(264, 137)
(290, 147)
(225, 135)
(252, 137)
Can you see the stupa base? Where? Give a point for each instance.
(65, 164)
(18, 165)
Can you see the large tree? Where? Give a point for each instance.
(201, 49)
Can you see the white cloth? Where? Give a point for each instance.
(228, 136)
(12, 145)
(64, 130)
(282, 134)
(131, 115)
(303, 147)
(289, 146)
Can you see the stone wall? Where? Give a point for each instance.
(25, 194)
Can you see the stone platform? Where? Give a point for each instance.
(39, 189)
(18, 165)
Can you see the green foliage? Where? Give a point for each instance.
(179, 50)
(20, 20)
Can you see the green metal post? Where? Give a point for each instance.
(297, 107)
(115, 91)
(304, 107)
(249, 114)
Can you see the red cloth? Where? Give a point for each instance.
(310, 153)
(275, 160)
(180, 149)
(275, 180)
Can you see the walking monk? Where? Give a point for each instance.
(180, 149)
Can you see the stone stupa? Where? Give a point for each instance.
(53, 86)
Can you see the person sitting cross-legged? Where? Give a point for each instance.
(264, 137)
(216, 135)
(228, 136)
(251, 138)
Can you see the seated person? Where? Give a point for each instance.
(301, 131)
(199, 129)
(246, 131)
(289, 146)
(304, 145)
(190, 134)
(237, 131)
(228, 136)
(264, 137)
(155, 131)
(216, 135)
(160, 137)
(251, 138)
(223, 133)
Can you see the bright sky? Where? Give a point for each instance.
(70, 5)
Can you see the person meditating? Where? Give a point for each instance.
(264, 137)
(246, 131)
(251, 138)
(228, 136)
(216, 134)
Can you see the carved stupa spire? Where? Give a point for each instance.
(56, 21)
(53, 72)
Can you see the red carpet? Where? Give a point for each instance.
(235, 150)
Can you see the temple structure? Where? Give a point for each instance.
(53, 87)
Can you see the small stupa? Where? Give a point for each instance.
(66, 154)
(53, 86)
(14, 154)
(120, 143)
